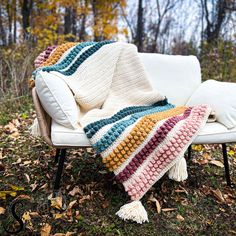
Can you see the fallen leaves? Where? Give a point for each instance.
(2, 210)
(158, 206)
(168, 209)
(45, 230)
(180, 218)
(218, 195)
(75, 191)
(217, 163)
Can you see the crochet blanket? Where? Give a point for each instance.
(139, 135)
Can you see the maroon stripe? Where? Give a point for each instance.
(157, 138)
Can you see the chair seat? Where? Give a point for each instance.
(211, 133)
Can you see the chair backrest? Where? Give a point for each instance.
(176, 77)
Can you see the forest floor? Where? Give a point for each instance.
(201, 205)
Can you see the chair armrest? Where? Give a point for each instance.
(44, 119)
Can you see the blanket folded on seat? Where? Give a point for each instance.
(139, 135)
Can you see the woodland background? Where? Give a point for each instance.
(206, 28)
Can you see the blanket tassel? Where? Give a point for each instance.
(179, 171)
(133, 211)
(35, 129)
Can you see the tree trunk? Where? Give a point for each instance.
(67, 21)
(14, 21)
(139, 31)
(26, 11)
(2, 31)
(9, 16)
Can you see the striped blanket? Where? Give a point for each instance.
(139, 135)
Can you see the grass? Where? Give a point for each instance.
(28, 162)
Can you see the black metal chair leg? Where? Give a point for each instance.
(59, 171)
(226, 164)
(189, 151)
(58, 151)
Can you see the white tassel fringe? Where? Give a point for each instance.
(35, 129)
(133, 211)
(179, 171)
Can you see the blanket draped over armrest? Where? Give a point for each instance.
(139, 135)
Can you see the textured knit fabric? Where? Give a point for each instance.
(138, 134)
(43, 56)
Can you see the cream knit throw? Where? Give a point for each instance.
(139, 135)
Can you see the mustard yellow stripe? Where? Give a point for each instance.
(57, 53)
(136, 136)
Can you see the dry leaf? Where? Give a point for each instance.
(217, 163)
(34, 214)
(203, 162)
(57, 216)
(77, 215)
(218, 195)
(70, 233)
(81, 200)
(26, 216)
(168, 209)
(180, 218)
(56, 202)
(75, 190)
(2, 210)
(44, 186)
(25, 163)
(158, 206)
(45, 230)
(17, 162)
(71, 204)
(33, 186)
(105, 204)
(27, 177)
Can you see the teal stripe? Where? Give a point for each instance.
(66, 61)
(116, 130)
(94, 127)
(69, 58)
(85, 55)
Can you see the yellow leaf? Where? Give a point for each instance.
(197, 148)
(16, 188)
(57, 202)
(26, 216)
(57, 216)
(3, 194)
(231, 152)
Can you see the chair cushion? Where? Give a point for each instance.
(221, 96)
(211, 133)
(175, 77)
(57, 99)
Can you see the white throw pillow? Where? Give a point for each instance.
(221, 96)
(57, 99)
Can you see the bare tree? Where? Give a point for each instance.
(140, 27)
(2, 30)
(26, 9)
(216, 14)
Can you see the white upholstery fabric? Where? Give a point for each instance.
(57, 99)
(211, 133)
(176, 77)
(221, 96)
